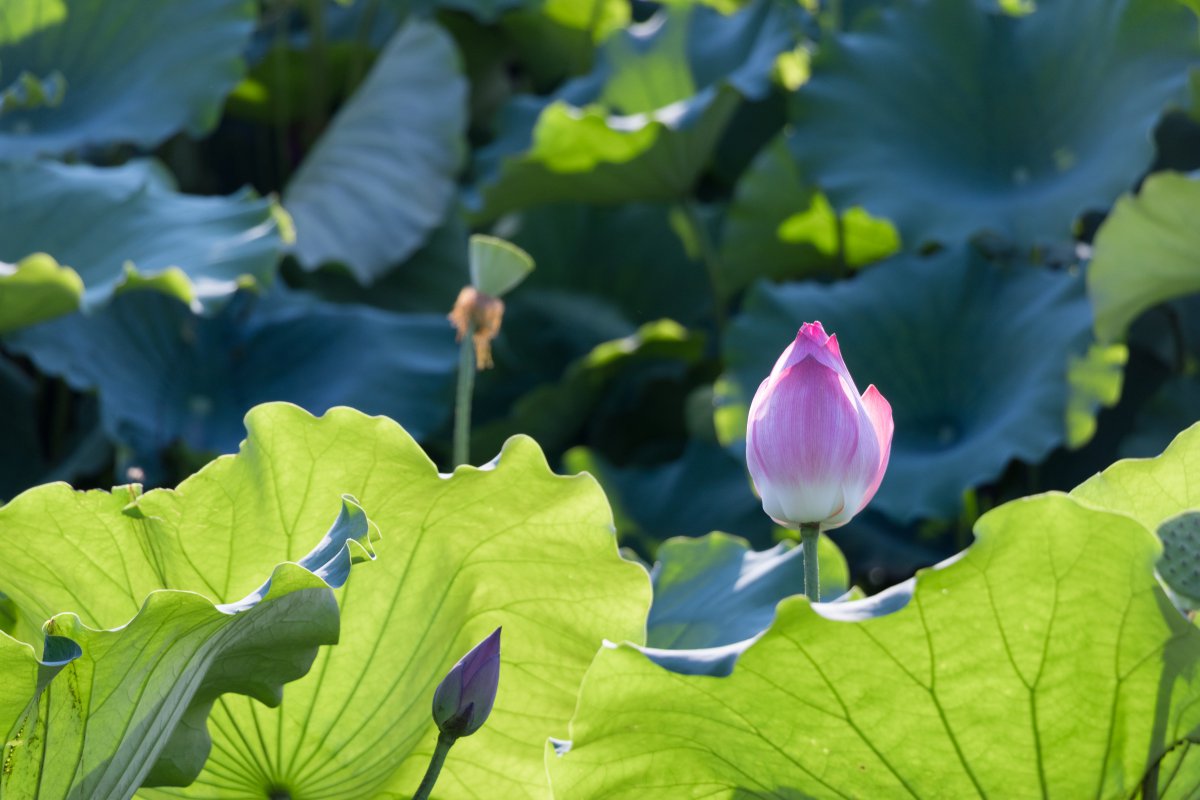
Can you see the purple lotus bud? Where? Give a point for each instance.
(816, 449)
(464, 698)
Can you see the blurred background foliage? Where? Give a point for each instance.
(208, 204)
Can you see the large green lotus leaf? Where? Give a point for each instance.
(971, 689)
(166, 375)
(135, 72)
(510, 544)
(643, 123)
(378, 181)
(779, 227)
(950, 119)
(152, 637)
(1151, 490)
(125, 225)
(1145, 252)
(35, 289)
(972, 356)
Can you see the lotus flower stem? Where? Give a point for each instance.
(810, 536)
(462, 402)
(444, 741)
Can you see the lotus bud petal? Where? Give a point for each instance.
(464, 698)
(816, 449)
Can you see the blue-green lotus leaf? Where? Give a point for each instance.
(166, 375)
(115, 692)
(628, 255)
(714, 596)
(965, 689)
(135, 72)
(643, 123)
(606, 395)
(379, 179)
(511, 544)
(125, 225)
(972, 356)
(703, 490)
(31, 450)
(951, 119)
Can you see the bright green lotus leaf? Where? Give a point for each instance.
(377, 182)
(643, 123)
(557, 39)
(1150, 490)
(30, 91)
(166, 375)
(1145, 252)
(971, 689)
(497, 266)
(780, 227)
(1095, 379)
(113, 226)
(135, 72)
(972, 356)
(951, 119)
(152, 638)
(510, 544)
(35, 289)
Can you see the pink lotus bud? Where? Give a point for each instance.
(464, 698)
(816, 450)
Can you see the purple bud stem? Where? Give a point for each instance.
(810, 535)
(444, 741)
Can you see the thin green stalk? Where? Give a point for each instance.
(462, 401)
(708, 254)
(810, 534)
(444, 742)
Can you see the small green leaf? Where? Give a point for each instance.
(779, 226)
(1147, 251)
(36, 289)
(497, 266)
